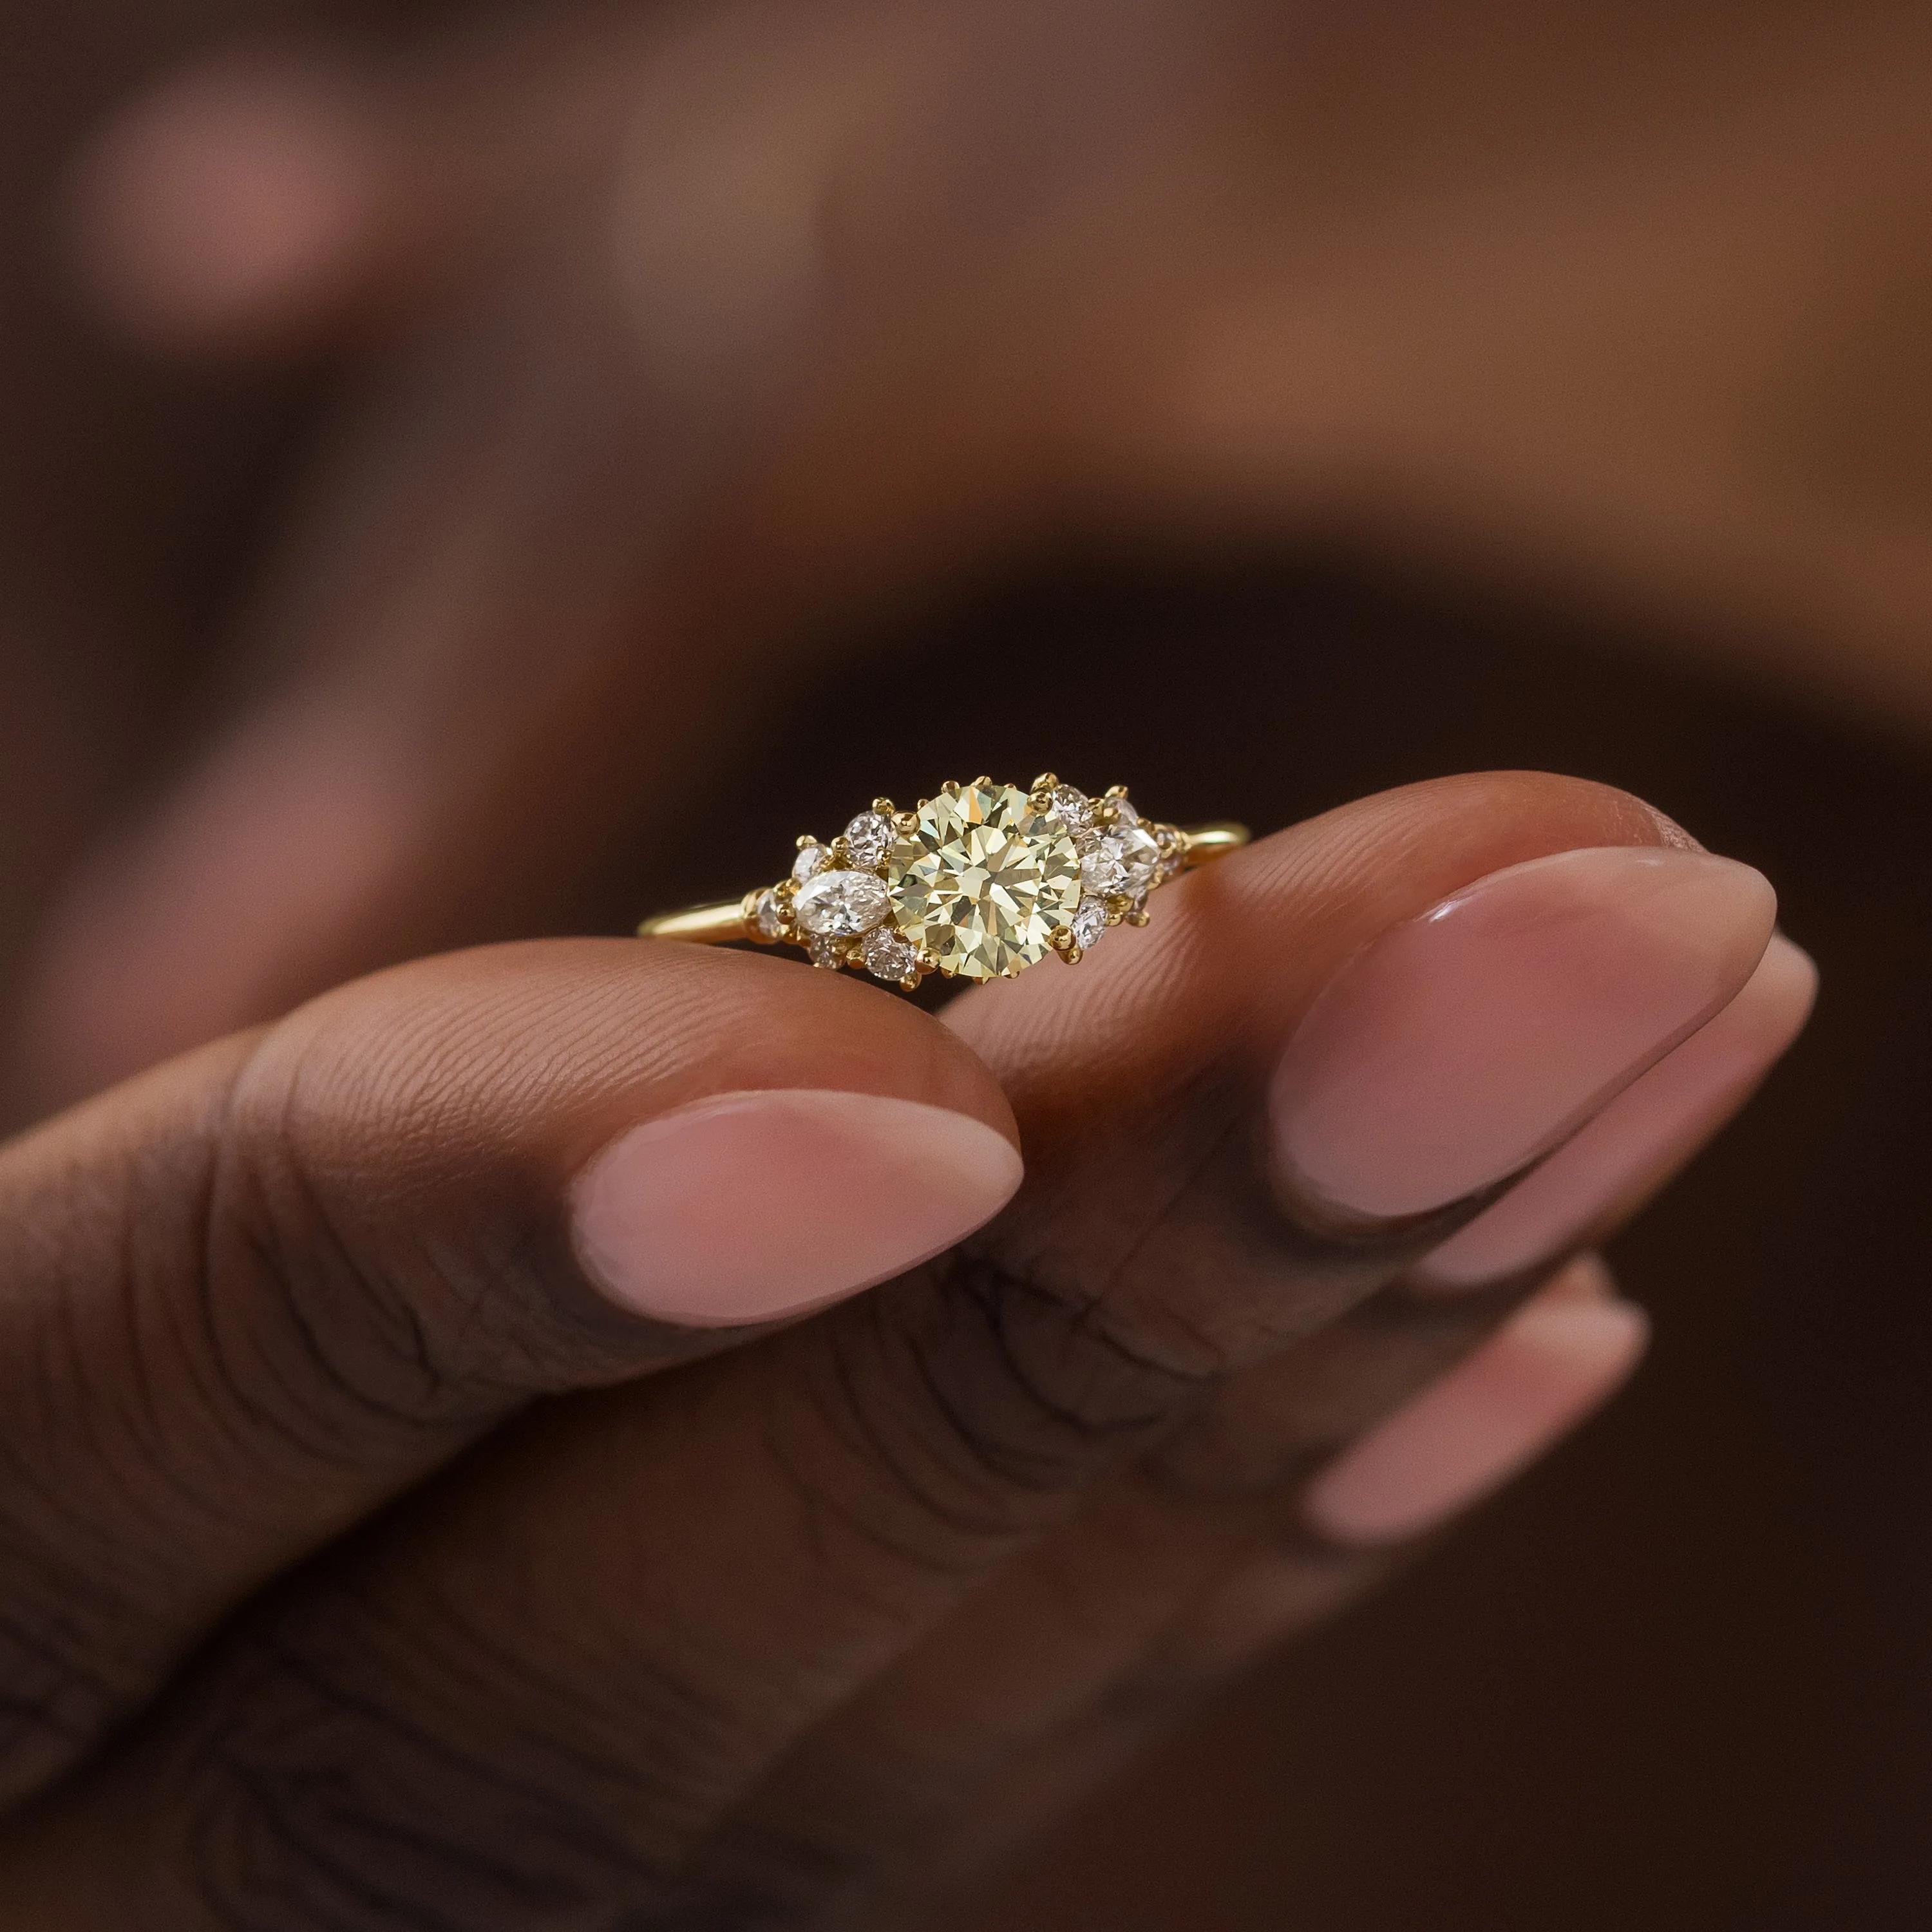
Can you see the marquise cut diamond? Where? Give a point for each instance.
(841, 904)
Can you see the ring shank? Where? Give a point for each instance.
(728, 920)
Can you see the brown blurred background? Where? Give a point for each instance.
(1290, 402)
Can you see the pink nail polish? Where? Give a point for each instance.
(1558, 1358)
(1460, 1045)
(747, 1207)
(1651, 1128)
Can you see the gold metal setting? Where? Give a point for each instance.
(978, 882)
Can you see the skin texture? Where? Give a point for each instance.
(368, 1566)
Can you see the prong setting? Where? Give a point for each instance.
(977, 881)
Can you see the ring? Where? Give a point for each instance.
(978, 882)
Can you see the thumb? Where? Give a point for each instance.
(251, 1296)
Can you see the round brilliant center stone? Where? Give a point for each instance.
(983, 882)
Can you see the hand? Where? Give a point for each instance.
(422, 1503)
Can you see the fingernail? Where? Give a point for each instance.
(1557, 1359)
(1651, 1128)
(746, 1207)
(1462, 1044)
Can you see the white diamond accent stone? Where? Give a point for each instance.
(824, 952)
(1140, 855)
(770, 915)
(1090, 922)
(841, 904)
(812, 860)
(1074, 809)
(1124, 813)
(868, 838)
(1103, 870)
(888, 956)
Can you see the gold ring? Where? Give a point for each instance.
(978, 882)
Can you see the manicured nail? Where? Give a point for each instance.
(1558, 1358)
(1644, 1135)
(1461, 1045)
(746, 1207)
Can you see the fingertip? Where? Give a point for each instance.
(1644, 1135)
(235, 199)
(1556, 1360)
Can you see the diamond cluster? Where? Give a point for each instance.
(978, 882)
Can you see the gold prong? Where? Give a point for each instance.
(1046, 782)
(841, 853)
(1073, 954)
(1139, 918)
(1116, 791)
(883, 807)
(805, 838)
(982, 781)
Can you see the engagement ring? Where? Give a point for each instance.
(979, 882)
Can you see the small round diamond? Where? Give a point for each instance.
(888, 956)
(812, 860)
(824, 952)
(1124, 813)
(1090, 922)
(769, 915)
(1074, 809)
(868, 838)
(841, 904)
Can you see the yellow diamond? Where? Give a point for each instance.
(983, 882)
